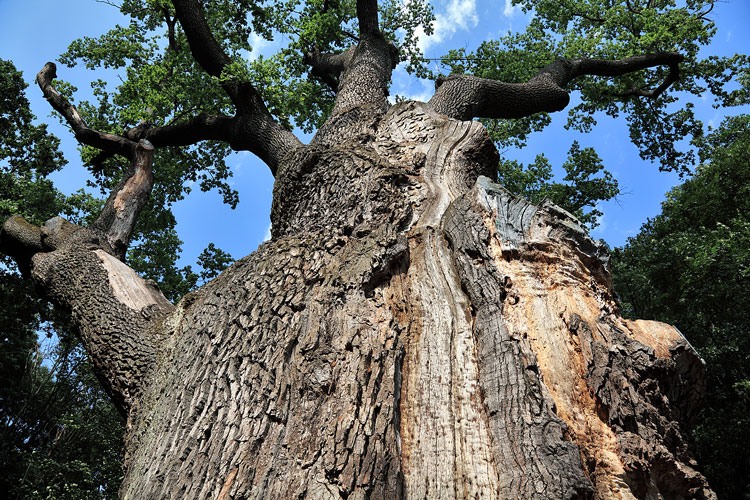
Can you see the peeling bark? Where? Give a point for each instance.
(412, 331)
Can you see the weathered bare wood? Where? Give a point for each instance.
(118, 217)
(412, 330)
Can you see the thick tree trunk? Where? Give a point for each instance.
(412, 330)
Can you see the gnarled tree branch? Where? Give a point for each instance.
(254, 129)
(108, 142)
(115, 311)
(187, 132)
(328, 67)
(20, 240)
(465, 97)
(119, 215)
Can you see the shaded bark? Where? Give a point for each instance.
(116, 312)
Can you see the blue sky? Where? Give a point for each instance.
(33, 32)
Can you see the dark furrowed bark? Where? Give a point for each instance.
(361, 75)
(116, 312)
(412, 330)
(408, 333)
(20, 240)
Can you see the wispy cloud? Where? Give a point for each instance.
(600, 230)
(510, 9)
(260, 46)
(410, 88)
(457, 15)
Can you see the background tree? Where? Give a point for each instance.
(689, 266)
(311, 374)
(60, 434)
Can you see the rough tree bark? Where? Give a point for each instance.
(412, 330)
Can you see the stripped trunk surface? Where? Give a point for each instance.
(412, 330)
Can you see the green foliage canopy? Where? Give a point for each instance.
(61, 437)
(690, 266)
(162, 84)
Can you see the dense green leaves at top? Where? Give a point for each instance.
(586, 182)
(690, 266)
(607, 29)
(163, 84)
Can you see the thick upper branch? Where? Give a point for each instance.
(367, 15)
(362, 73)
(20, 240)
(185, 133)
(328, 67)
(254, 129)
(466, 97)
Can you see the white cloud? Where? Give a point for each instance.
(260, 46)
(510, 9)
(600, 230)
(457, 15)
(463, 13)
(407, 87)
(267, 234)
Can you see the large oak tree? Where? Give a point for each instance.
(412, 329)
